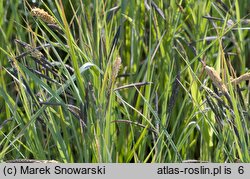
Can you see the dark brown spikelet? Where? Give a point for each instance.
(33, 51)
(37, 12)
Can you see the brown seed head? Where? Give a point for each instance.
(243, 77)
(215, 77)
(37, 12)
(116, 68)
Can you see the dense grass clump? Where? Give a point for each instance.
(124, 81)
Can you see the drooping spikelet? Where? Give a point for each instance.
(243, 77)
(215, 77)
(37, 12)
